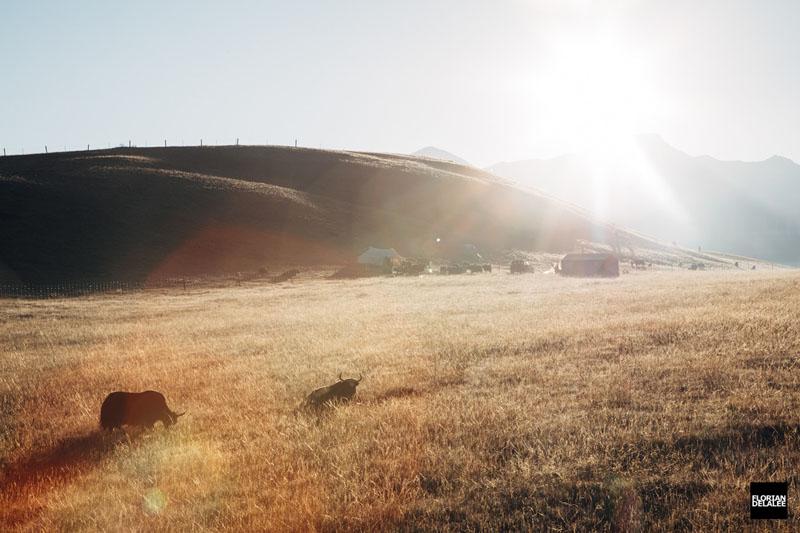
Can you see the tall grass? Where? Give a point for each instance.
(489, 402)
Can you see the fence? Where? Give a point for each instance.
(85, 288)
(49, 149)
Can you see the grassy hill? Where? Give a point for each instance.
(134, 214)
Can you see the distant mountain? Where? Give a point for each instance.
(747, 208)
(438, 153)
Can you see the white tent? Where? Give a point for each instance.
(377, 256)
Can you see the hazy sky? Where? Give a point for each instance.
(487, 80)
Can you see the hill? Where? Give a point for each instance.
(143, 213)
(748, 208)
(438, 153)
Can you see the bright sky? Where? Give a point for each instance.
(487, 80)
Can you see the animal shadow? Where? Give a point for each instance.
(25, 481)
(394, 393)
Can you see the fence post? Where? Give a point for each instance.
(165, 143)
(201, 143)
(129, 143)
(87, 147)
(45, 148)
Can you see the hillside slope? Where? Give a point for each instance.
(150, 212)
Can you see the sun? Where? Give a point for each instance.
(597, 96)
(595, 91)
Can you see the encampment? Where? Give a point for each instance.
(378, 256)
(602, 265)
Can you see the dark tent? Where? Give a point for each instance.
(602, 265)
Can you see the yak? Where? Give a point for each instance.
(341, 391)
(136, 409)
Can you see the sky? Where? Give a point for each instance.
(489, 81)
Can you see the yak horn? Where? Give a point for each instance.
(360, 377)
(340, 377)
(180, 414)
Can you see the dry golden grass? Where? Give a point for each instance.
(489, 402)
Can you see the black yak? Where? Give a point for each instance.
(519, 266)
(341, 391)
(136, 409)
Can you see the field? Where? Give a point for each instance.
(490, 402)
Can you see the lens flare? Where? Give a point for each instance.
(154, 501)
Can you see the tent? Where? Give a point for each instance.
(604, 265)
(378, 256)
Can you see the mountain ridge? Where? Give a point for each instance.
(746, 207)
(437, 153)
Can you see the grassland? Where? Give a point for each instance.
(489, 402)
